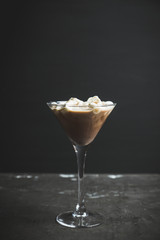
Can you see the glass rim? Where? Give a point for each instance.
(57, 103)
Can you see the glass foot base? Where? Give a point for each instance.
(68, 219)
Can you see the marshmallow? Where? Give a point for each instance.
(75, 104)
(108, 103)
(94, 101)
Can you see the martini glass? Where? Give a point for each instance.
(81, 124)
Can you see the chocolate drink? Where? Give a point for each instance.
(82, 125)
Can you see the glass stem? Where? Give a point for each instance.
(81, 152)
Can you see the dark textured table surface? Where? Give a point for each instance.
(29, 204)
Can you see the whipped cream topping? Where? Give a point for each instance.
(75, 104)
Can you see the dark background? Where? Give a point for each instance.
(53, 50)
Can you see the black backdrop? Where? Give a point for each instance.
(57, 49)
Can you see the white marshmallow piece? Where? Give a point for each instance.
(94, 100)
(75, 104)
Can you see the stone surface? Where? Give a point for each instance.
(29, 204)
